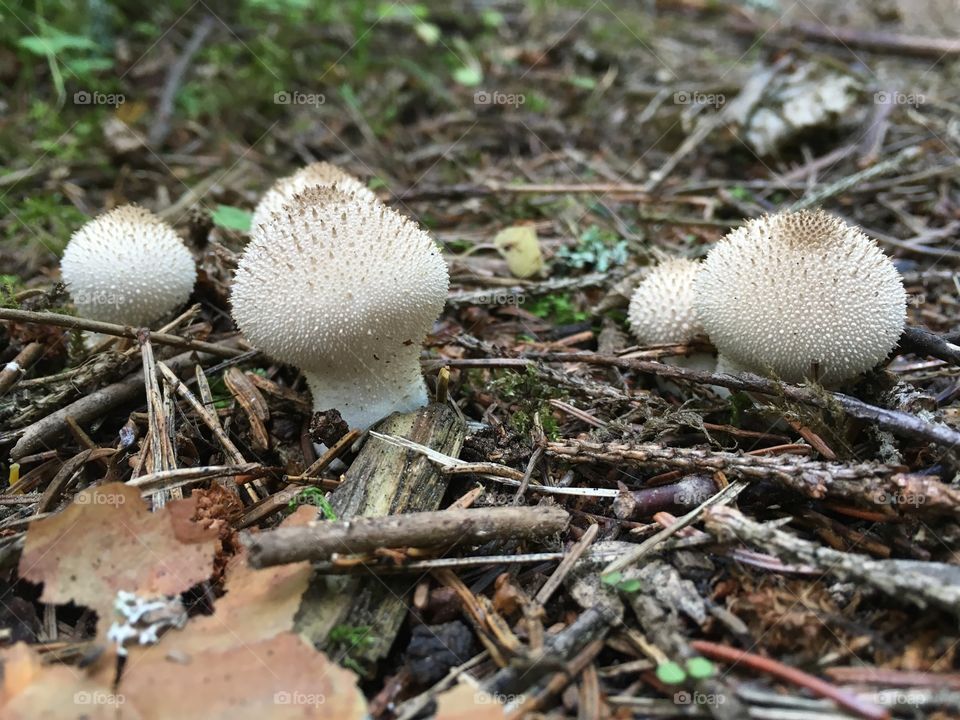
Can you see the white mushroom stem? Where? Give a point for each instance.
(370, 390)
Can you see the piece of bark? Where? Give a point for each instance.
(319, 540)
(383, 480)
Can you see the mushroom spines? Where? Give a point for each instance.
(317, 174)
(334, 279)
(127, 266)
(802, 295)
(661, 308)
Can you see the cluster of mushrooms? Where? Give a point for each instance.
(332, 281)
(345, 288)
(796, 296)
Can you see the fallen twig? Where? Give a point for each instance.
(320, 540)
(76, 323)
(898, 422)
(922, 583)
(814, 684)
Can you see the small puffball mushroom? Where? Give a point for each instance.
(321, 174)
(346, 290)
(127, 266)
(800, 295)
(661, 308)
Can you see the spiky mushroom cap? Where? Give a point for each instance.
(801, 295)
(321, 174)
(127, 266)
(346, 290)
(661, 308)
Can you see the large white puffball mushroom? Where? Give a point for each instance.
(661, 308)
(127, 266)
(318, 174)
(800, 295)
(346, 290)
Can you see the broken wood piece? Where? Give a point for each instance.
(444, 528)
(384, 479)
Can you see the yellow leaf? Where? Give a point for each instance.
(521, 249)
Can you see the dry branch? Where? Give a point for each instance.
(76, 323)
(445, 528)
(44, 432)
(897, 422)
(922, 583)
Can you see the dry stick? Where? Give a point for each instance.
(230, 451)
(518, 292)
(850, 181)
(339, 448)
(851, 702)
(75, 323)
(16, 368)
(728, 494)
(161, 451)
(161, 127)
(206, 400)
(920, 583)
(166, 479)
(559, 681)
(320, 540)
(566, 565)
(90, 407)
(898, 422)
(877, 40)
(492, 187)
(921, 341)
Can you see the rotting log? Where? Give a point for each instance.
(384, 479)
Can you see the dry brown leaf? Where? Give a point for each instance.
(284, 677)
(107, 541)
(32, 690)
(468, 703)
(257, 605)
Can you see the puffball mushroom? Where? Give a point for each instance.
(346, 290)
(661, 308)
(800, 295)
(321, 174)
(127, 266)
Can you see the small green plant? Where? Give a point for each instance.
(598, 249)
(559, 309)
(696, 668)
(348, 637)
(529, 395)
(313, 496)
(621, 584)
(231, 218)
(45, 219)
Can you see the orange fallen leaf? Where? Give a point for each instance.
(257, 605)
(56, 692)
(108, 541)
(284, 677)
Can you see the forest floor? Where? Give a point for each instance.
(611, 534)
